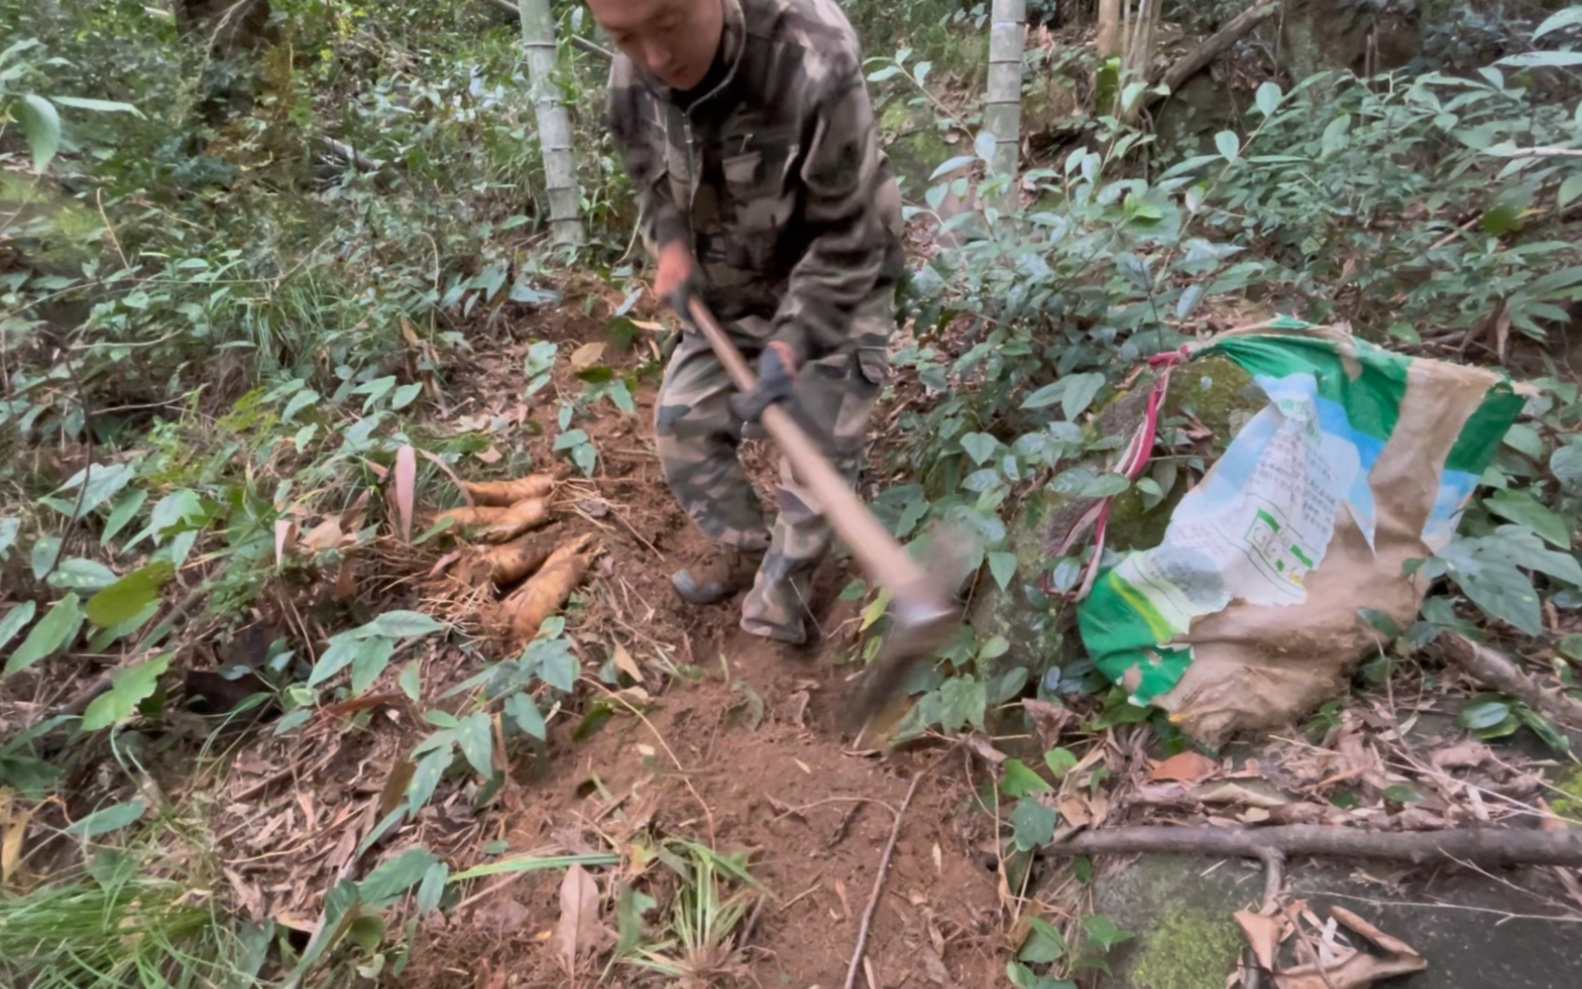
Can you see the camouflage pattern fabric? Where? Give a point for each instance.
(775, 178)
(698, 437)
(776, 182)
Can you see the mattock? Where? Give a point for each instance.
(922, 607)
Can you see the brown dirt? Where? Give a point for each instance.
(705, 764)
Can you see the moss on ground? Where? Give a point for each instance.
(1192, 947)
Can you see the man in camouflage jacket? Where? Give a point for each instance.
(748, 135)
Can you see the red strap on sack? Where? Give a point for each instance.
(1134, 459)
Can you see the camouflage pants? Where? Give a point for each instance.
(698, 437)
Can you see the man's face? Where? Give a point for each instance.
(673, 39)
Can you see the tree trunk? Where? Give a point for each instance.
(232, 25)
(1002, 111)
(554, 126)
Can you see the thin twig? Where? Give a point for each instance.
(878, 880)
(1489, 846)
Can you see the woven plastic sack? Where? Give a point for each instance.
(1248, 614)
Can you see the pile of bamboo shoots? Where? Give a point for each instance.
(504, 541)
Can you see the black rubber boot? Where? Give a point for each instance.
(729, 571)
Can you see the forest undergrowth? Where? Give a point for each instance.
(270, 309)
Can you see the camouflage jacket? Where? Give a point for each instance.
(774, 178)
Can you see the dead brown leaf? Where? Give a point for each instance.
(934, 968)
(626, 664)
(15, 827)
(324, 536)
(1188, 767)
(980, 744)
(587, 355)
(1357, 970)
(1264, 935)
(491, 456)
(1235, 793)
(1049, 719)
(1463, 755)
(579, 916)
(285, 535)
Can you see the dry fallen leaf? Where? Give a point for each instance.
(626, 664)
(285, 535)
(491, 456)
(587, 355)
(1358, 970)
(579, 915)
(934, 968)
(1264, 934)
(1188, 767)
(1464, 755)
(1050, 719)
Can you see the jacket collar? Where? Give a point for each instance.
(733, 39)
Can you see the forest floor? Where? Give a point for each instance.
(742, 755)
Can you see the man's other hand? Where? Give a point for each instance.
(777, 368)
(678, 281)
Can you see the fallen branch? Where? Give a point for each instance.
(1212, 47)
(878, 881)
(1484, 846)
(1493, 669)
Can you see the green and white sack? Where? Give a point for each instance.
(1246, 615)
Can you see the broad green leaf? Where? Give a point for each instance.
(476, 738)
(1105, 931)
(432, 889)
(1400, 793)
(40, 124)
(1560, 19)
(1525, 440)
(46, 551)
(405, 395)
(107, 819)
(426, 777)
(984, 145)
(979, 446)
(1080, 391)
(1061, 761)
(1047, 395)
(560, 668)
(299, 401)
(81, 574)
(99, 483)
(1033, 824)
(1566, 465)
(1570, 189)
(1020, 781)
(1542, 60)
(372, 659)
(129, 687)
(1268, 98)
(15, 621)
(399, 625)
(1570, 646)
(341, 653)
(1228, 145)
(390, 880)
(1003, 567)
(1044, 945)
(125, 510)
(1489, 570)
(53, 631)
(950, 166)
(1483, 714)
(1543, 728)
(963, 701)
(570, 438)
(127, 597)
(410, 681)
(1523, 509)
(520, 708)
